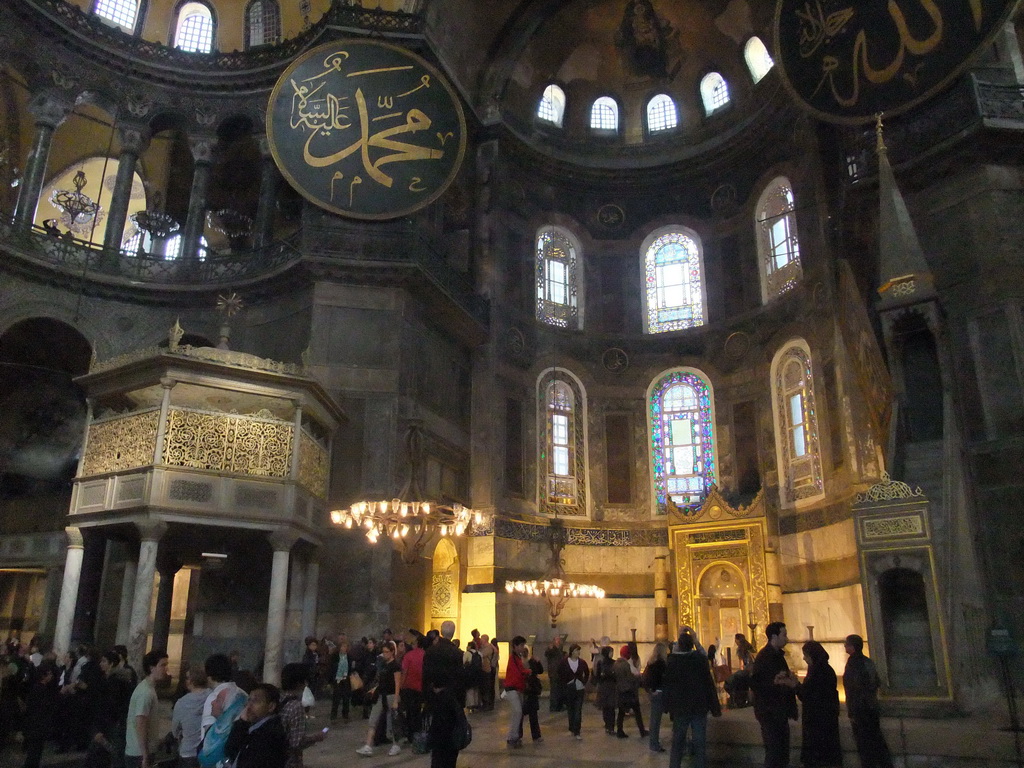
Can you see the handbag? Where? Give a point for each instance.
(356, 681)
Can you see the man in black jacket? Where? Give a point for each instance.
(688, 694)
(257, 739)
(774, 703)
(442, 665)
(861, 683)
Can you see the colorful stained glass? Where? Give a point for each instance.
(682, 440)
(801, 460)
(674, 283)
(556, 279)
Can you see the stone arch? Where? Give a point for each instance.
(41, 438)
(445, 584)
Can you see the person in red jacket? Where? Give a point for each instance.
(515, 685)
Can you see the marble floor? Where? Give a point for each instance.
(733, 741)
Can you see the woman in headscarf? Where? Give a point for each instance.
(820, 698)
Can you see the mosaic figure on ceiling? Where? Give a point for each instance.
(648, 42)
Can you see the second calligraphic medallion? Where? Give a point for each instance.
(366, 129)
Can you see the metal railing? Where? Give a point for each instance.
(81, 259)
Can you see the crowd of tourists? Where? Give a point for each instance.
(415, 691)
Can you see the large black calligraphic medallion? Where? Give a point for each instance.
(848, 60)
(366, 129)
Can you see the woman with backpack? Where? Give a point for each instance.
(627, 687)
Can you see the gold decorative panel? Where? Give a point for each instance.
(121, 443)
(442, 595)
(231, 443)
(313, 466)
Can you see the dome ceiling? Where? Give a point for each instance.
(629, 50)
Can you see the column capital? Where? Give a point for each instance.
(133, 138)
(202, 148)
(282, 539)
(264, 144)
(75, 538)
(151, 530)
(49, 110)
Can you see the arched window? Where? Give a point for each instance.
(561, 417)
(673, 273)
(172, 247)
(123, 13)
(662, 114)
(195, 28)
(714, 92)
(558, 278)
(681, 422)
(777, 245)
(604, 115)
(552, 105)
(796, 424)
(759, 61)
(262, 23)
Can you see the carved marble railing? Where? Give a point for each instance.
(127, 52)
(76, 258)
(248, 445)
(338, 241)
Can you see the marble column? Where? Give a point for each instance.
(138, 628)
(309, 596)
(281, 540)
(293, 637)
(661, 582)
(133, 144)
(195, 221)
(164, 598)
(49, 113)
(124, 614)
(69, 591)
(51, 600)
(263, 227)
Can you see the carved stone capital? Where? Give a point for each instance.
(134, 139)
(282, 539)
(264, 144)
(49, 110)
(202, 148)
(151, 530)
(75, 538)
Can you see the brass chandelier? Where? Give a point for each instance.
(409, 519)
(554, 587)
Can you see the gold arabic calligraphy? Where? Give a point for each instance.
(320, 112)
(818, 28)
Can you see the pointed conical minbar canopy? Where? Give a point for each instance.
(904, 277)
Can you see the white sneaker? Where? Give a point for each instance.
(395, 749)
(365, 751)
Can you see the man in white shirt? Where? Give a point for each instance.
(141, 730)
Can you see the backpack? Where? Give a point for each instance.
(212, 750)
(462, 733)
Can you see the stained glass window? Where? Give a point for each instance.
(672, 269)
(604, 115)
(552, 105)
(195, 29)
(123, 13)
(796, 424)
(777, 243)
(562, 461)
(759, 61)
(662, 114)
(557, 279)
(682, 439)
(714, 92)
(263, 23)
